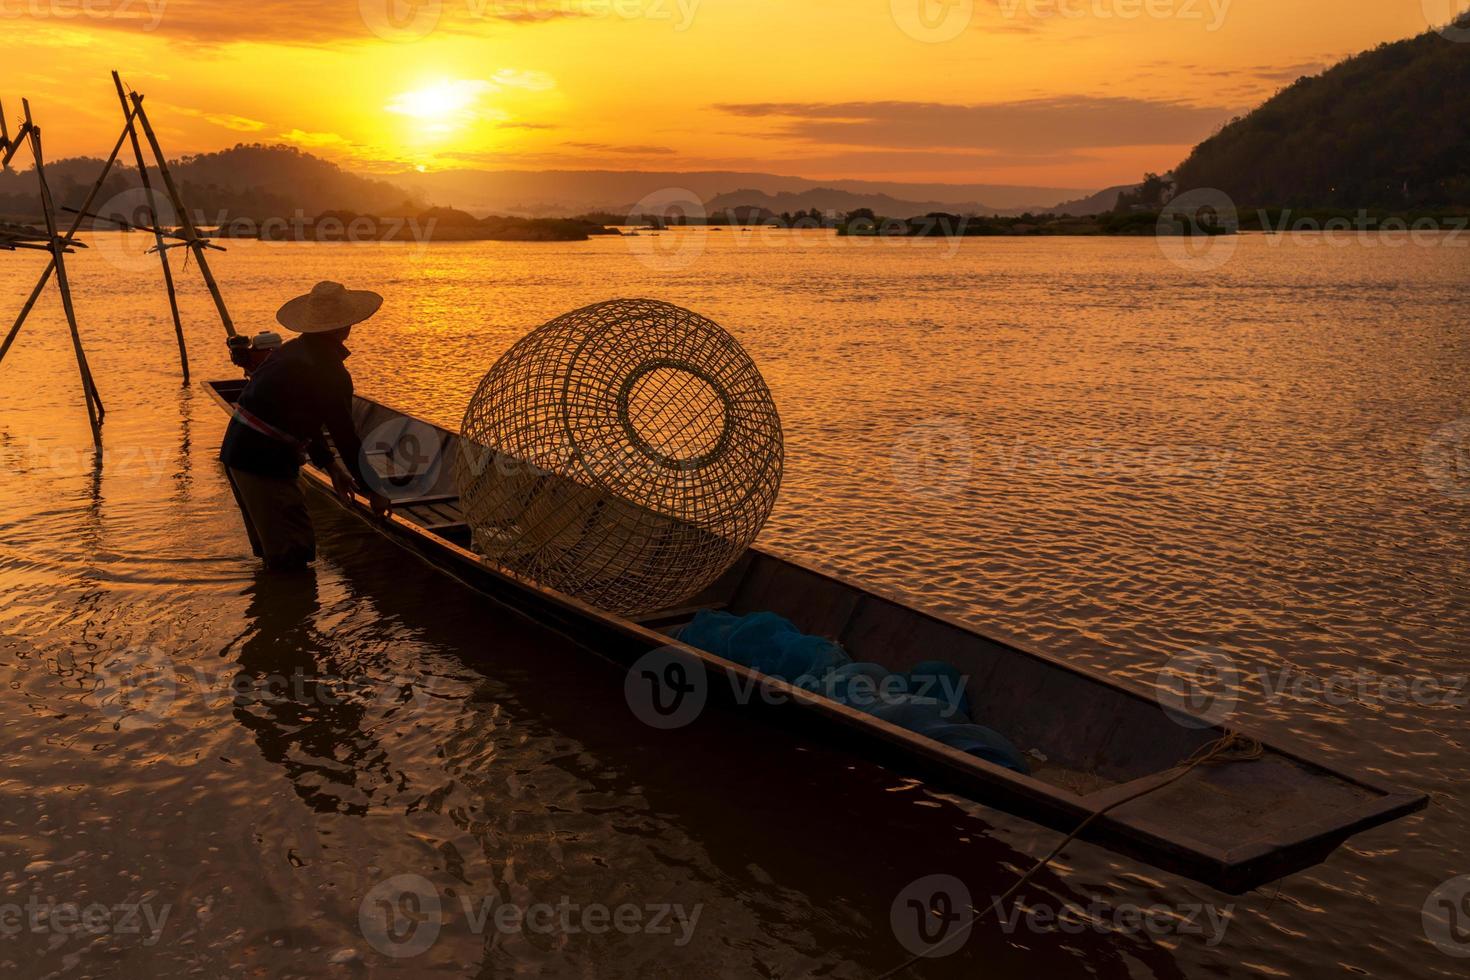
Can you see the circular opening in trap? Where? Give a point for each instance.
(675, 413)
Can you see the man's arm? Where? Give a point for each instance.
(344, 436)
(317, 451)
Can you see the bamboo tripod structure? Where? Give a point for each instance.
(58, 246)
(134, 119)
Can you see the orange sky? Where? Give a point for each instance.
(1072, 93)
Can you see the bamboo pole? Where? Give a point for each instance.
(187, 222)
(95, 412)
(70, 236)
(168, 273)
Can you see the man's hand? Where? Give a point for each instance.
(342, 481)
(379, 504)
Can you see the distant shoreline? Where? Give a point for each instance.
(446, 225)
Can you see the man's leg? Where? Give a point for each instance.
(277, 509)
(245, 515)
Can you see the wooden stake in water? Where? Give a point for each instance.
(95, 411)
(153, 219)
(191, 234)
(71, 234)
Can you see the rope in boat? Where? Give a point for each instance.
(1231, 747)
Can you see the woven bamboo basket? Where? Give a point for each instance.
(626, 454)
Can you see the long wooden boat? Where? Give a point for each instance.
(1234, 827)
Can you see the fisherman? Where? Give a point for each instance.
(298, 391)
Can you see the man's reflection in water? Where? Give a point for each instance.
(292, 693)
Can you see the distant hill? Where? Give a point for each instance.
(247, 180)
(260, 181)
(1389, 128)
(562, 192)
(1099, 203)
(832, 199)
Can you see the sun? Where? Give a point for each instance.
(442, 103)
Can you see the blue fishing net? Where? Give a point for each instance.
(930, 699)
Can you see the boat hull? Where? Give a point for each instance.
(1234, 827)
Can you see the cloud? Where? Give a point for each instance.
(315, 140)
(1034, 126)
(240, 124)
(531, 81)
(321, 22)
(624, 149)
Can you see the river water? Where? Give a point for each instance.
(1117, 457)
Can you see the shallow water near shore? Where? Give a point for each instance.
(1075, 442)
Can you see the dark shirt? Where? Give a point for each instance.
(300, 389)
